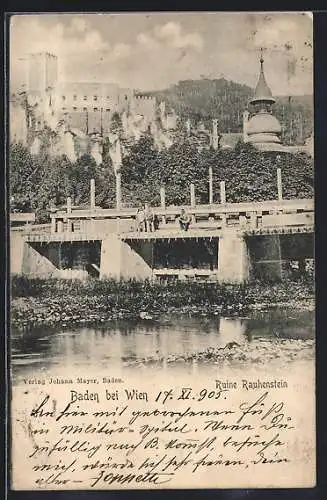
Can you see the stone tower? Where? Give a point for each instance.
(42, 74)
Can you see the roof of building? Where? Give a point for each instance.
(262, 91)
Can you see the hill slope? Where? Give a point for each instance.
(226, 100)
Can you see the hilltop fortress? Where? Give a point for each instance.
(82, 114)
(79, 117)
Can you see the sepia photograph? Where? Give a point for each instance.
(162, 272)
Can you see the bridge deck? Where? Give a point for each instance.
(164, 234)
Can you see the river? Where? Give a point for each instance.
(279, 335)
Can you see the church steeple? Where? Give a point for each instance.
(262, 93)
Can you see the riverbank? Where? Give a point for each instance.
(259, 352)
(51, 302)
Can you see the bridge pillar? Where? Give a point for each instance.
(233, 259)
(110, 258)
(37, 263)
(119, 260)
(17, 247)
(267, 257)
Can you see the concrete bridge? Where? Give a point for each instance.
(228, 242)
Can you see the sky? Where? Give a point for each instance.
(152, 51)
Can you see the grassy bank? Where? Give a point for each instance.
(53, 301)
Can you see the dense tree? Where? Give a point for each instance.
(177, 168)
(39, 182)
(137, 171)
(249, 174)
(21, 171)
(79, 175)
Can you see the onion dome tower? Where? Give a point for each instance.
(263, 128)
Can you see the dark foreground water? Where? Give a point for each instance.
(266, 335)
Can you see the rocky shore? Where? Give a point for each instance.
(261, 351)
(53, 302)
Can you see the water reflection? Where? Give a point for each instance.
(232, 330)
(114, 344)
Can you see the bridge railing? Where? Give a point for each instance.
(244, 216)
(32, 228)
(273, 212)
(201, 210)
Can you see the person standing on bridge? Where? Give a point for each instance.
(155, 222)
(140, 219)
(149, 218)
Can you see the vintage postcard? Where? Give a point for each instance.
(161, 177)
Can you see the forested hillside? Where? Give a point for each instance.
(226, 100)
